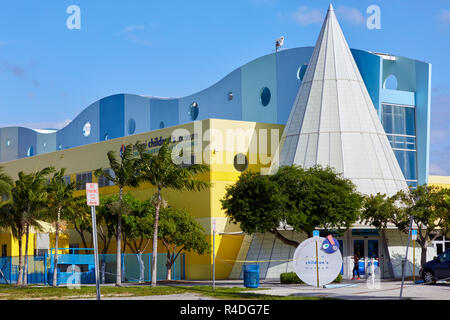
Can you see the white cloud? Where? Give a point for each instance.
(444, 17)
(130, 33)
(305, 16)
(350, 14)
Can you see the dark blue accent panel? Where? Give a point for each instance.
(163, 111)
(369, 66)
(27, 140)
(112, 114)
(288, 62)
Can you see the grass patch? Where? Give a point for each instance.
(62, 293)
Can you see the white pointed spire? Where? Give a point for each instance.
(333, 121)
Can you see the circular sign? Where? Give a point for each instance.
(330, 264)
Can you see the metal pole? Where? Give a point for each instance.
(414, 261)
(94, 234)
(317, 264)
(214, 255)
(406, 255)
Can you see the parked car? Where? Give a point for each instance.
(436, 269)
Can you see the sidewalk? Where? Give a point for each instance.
(356, 290)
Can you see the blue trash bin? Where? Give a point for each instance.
(251, 276)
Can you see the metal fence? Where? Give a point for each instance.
(77, 268)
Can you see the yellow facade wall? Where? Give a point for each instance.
(439, 181)
(216, 142)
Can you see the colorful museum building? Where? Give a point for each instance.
(365, 113)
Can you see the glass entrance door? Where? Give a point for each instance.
(368, 252)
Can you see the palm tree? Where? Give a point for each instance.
(28, 199)
(60, 197)
(124, 170)
(6, 183)
(163, 173)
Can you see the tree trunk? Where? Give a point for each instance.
(55, 261)
(119, 246)
(155, 239)
(423, 254)
(19, 278)
(169, 265)
(25, 273)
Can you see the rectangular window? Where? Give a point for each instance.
(82, 179)
(103, 181)
(4, 250)
(407, 162)
(399, 120)
(66, 180)
(72, 246)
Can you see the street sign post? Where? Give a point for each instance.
(414, 238)
(316, 235)
(93, 200)
(214, 254)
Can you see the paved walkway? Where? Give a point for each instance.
(355, 290)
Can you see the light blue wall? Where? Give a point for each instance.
(398, 97)
(288, 63)
(8, 153)
(137, 108)
(256, 75)
(49, 139)
(27, 140)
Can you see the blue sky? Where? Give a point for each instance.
(49, 74)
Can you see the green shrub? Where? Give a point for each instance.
(290, 278)
(338, 279)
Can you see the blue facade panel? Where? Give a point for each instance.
(74, 134)
(370, 67)
(27, 143)
(163, 113)
(423, 107)
(288, 82)
(137, 114)
(9, 140)
(112, 115)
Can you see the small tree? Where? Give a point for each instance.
(379, 210)
(29, 196)
(60, 197)
(160, 171)
(304, 199)
(429, 207)
(124, 176)
(79, 215)
(180, 232)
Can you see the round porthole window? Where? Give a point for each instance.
(131, 126)
(240, 162)
(301, 72)
(161, 125)
(30, 152)
(87, 129)
(193, 111)
(265, 96)
(60, 147)
(8, 143)
(105, 137)
(44, 145)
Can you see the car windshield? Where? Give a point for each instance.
(445, 257)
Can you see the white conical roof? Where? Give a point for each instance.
(333, 121)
